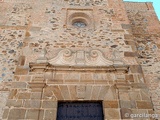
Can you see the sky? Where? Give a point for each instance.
(156, 4)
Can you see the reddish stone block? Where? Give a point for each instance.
(144, 105)
(110, 104)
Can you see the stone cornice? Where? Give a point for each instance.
(44, 67)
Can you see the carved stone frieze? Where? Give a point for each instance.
(80, 58)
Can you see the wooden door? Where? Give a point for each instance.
(80, 111)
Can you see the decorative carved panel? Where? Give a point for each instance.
(80, 58)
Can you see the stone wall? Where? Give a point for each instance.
(146, 33)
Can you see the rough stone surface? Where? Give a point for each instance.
(146, 30)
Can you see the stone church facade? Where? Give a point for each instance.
(54, 52)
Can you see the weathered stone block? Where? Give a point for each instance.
(65, 92)
(14, 103)
(36, 86)
(81, 90)
(139, 111)
(32, 114)
(49, 104)
(41, 115)
(145, 95)
(71, 76)
(130, 43)
(21, 60)
(72, 90)
(124, 96)
(36, 95)
(127, 104)
(24, 95)
(135, 95)
(111, 114)
(21, 85)
(99, 76)
(50, 114)
(95, 92)
(5, 113)
(47, 94)
(85, 76)
(111, 94)
(12, 94)
(21, 71)
(58, 76)
(32, 104)
(110, 104)
(144, 105)
(38, 77)
(125, 113)
(25, 78)
(126, 26)
(88, 92)
(16, 114)
(57, 92)
(49, 76)
(103, 92)
(52, 92)
(130, 78)
(130, 54)
(136, 69)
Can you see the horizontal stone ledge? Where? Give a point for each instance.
(130, 85)
(48, 67)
